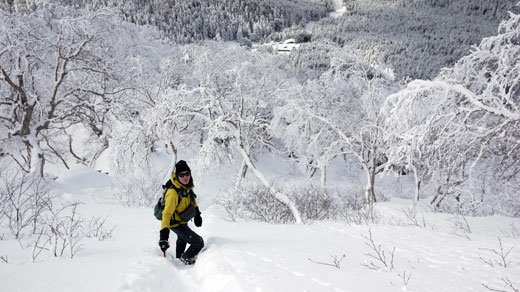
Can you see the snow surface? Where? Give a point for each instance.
(255, 256)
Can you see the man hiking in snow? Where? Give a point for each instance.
(179, 208)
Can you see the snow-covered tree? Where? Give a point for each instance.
(337, 115)
(63, 71)
(414, 38)
(235, 104)
(222, 100)
(193, 20)
(47, 77)
(462, 127)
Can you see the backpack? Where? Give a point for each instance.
(185, 215)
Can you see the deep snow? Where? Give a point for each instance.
(254, 256)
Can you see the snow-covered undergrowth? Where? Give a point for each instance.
(410, 249)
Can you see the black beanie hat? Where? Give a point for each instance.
(181, 166)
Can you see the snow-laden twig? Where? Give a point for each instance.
(336, 262)
(502, 255)
(97, 228)
(507, 284)
(73, 225)
(41, 242)
(497, 109)
(378, 254)
(461, 227)
(514, 233)
(411, 215)
(405, 277)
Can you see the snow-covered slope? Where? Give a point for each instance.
(439, 255)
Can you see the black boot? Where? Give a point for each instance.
(186, 260)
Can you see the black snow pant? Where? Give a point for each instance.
(184, 236)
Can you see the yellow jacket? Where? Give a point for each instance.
(172, 204)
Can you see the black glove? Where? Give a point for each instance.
(163, 239)
(197, 220)
(164, 245)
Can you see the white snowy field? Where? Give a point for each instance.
(440, 255)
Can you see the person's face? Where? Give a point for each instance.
(184, 177)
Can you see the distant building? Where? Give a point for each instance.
(286, 46)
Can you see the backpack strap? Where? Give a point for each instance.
(181, 193)
(169, 185)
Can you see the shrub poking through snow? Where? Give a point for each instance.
(314, 204)
(379, 258)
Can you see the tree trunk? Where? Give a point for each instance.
(370, 170)
(438, 198)
(417, 184)
(172, 163)
(370, 196)
(279, 196)
(323, 176)
(36, 157)
(241, 174)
